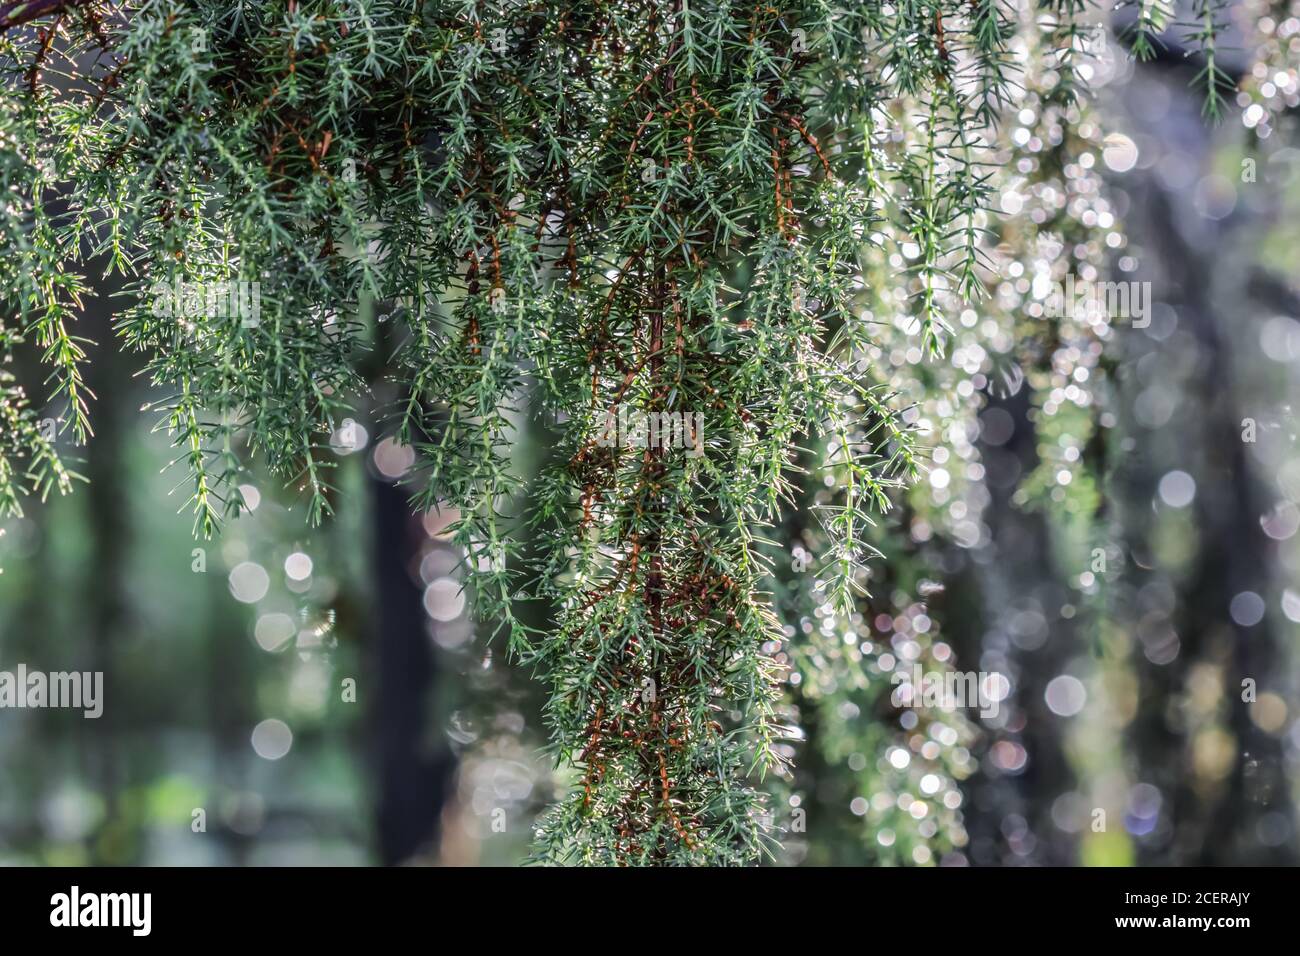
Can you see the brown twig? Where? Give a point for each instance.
(24, 11)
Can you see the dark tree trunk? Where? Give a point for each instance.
(415, 763)
(109, 533)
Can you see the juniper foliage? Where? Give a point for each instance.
(576, 207)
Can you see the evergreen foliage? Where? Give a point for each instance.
(562, 209)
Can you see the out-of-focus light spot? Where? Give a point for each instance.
(1273, 829)
(921, 855)
(1144, 801)
(444, 600)
(438, 523)
(930, 783)
(249, 582)
(1139, 826)
(252, 497)
(996, 687)
(885, 837)
(1008, 756)
(393, 460)
(273, 631)
(1177, 489)
(1214, 197)
(1247, 608)
(1161, 646)
(1282, 522)
(272, 739)
(996, 426)
(1205, 686)
(858, 806)
(233, 550)
(1069, 811)
(298, 566)
(1177, 170)
(1041, 287)
(1279, 338)
(1065, 695)
(244, 813)
(309, 686)
(1154, 406)
(899, 758)
(1213, 753)
(72, 813)
(1291, 605)
(1268, 713)
(1014, 827)
(1119, 153)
